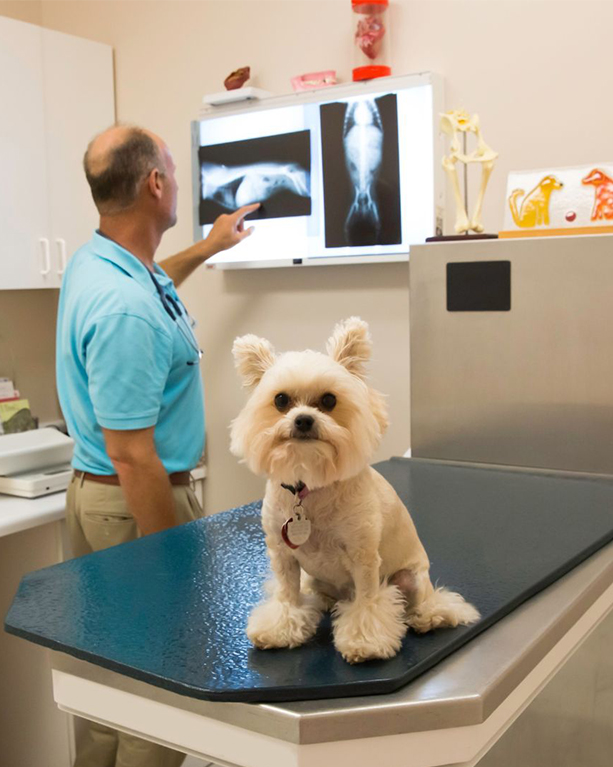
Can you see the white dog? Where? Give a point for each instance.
(311, 426)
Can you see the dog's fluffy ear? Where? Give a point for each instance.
(252, 358)
(350, 345)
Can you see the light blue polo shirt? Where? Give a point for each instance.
(122, 362)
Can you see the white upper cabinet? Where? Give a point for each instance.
(79, 102)
(25, 257)
(58, 93)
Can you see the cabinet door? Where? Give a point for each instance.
(79, 103)
(24, 256)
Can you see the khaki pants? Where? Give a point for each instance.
(97, 518)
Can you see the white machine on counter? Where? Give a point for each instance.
(35, 463)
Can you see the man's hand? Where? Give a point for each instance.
(228, 230)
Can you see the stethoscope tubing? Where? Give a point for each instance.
(179, 318)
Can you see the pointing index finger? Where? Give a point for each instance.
(245, 211)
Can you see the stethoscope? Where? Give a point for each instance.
(178, 314)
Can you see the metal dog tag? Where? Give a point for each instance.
(296, 530)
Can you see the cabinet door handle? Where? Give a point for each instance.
(44, 243)
(61, 244)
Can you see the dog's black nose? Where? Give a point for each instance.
(304, 423)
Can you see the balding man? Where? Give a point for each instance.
(128, 376)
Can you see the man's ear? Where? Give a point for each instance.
(350, 345)
(154, 183)
(252, 358)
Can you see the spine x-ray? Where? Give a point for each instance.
(274, 171)
(361, 172)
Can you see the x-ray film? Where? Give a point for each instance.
(272, 170)
(361, 174)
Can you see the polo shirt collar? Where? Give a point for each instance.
(112, 251)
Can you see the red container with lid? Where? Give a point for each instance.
(371, 39)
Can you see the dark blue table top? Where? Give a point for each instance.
(170, 609)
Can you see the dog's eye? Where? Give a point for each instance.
(328, 401)
(281, 401)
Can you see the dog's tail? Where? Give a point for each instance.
(441, 609)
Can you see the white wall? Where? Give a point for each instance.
(27, 347)
(536, 72)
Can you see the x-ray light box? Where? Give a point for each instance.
(346, 174)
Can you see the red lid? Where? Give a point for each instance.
(370, 2)
(370, 72)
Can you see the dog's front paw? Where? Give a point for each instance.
(369, 630)
(279, 624)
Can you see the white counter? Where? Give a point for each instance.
(17, 514)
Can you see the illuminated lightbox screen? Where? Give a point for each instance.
(344, 177)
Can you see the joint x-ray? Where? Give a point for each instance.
(361, 172)
(235, 185)
(274, 171)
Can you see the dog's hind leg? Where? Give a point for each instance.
(407, 583)
(437, 607)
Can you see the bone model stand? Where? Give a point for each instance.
(454, 123)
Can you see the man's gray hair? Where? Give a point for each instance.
(116, 186)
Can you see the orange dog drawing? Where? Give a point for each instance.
(535, 206)
(603, 199)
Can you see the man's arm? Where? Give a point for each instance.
(228, 230)
(143, 479)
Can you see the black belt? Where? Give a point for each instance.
(178, 478)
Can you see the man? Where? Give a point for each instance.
(127, 373)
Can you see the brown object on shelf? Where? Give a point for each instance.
(237, 78)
